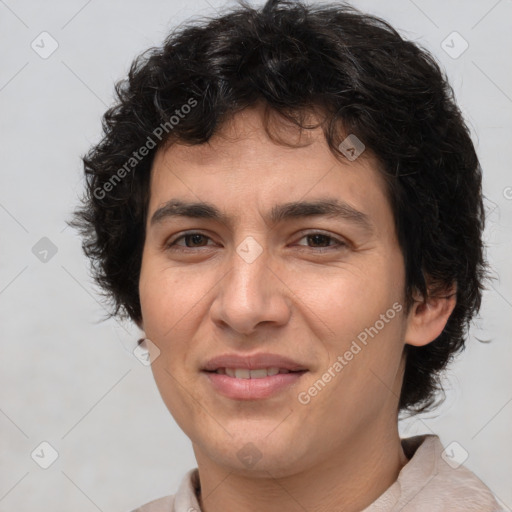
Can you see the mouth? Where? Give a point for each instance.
(252, 377)
(242, 384)
(244, 373)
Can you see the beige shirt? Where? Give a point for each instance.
(427, 483)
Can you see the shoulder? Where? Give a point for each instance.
(165, 504)
(184, 500)
(433, 476)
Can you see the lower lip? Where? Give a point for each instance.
(252, 389)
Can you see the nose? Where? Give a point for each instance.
(251, 293)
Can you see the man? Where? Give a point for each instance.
(287, 201)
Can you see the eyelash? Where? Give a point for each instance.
(340, 243)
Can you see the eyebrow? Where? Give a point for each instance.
(328, 207)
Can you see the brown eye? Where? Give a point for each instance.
(322, 241)
(195, 240)
(192, 240)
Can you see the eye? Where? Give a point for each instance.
(323, 240)
(192, 240)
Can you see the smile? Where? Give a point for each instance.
(244, 384)
(244, 373)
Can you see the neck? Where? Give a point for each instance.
(355, 475)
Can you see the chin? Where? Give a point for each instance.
(257, 456)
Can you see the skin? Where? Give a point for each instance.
(342, 450)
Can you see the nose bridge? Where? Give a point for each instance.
(250, 294)
(248, 278)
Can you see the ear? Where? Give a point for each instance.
(428, 316)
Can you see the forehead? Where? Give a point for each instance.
(241, 168)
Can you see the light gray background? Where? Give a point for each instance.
(70, 380)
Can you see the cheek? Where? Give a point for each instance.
(362, 367)
(361, 312)
(168, 301)
(167, 297)
(173, 304)
(350, 299)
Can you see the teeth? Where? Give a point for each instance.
(243, 373)
(254, 374)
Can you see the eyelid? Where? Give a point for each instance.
(340, 241)
(172, 240)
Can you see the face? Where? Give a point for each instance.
(319, 287)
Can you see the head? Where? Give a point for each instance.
(304, 249)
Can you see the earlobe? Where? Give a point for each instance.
(428, 317)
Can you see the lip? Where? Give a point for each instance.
(252, 389)
(253, 362)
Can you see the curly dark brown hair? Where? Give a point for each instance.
(293, 57)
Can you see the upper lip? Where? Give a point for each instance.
(253, 362)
